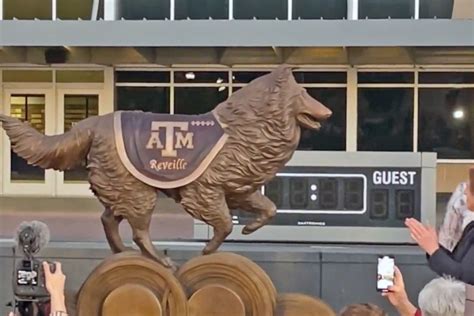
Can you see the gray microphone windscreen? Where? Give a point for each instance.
(31, 237)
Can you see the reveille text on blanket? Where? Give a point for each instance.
(167, 151)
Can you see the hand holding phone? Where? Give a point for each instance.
(385, 272)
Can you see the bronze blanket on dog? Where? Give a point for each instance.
(167, 151)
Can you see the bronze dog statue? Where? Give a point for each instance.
(261, 124)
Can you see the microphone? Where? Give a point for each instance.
(31, 237)
(28, 275)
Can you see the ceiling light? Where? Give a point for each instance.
(219, 80)
(458, 114)
(190, 76)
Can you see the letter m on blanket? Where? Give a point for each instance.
(183, 139)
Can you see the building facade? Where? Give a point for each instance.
(398, 74)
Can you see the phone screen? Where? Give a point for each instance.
(385, 272)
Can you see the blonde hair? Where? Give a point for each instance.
(363, 310)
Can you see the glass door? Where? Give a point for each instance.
(75, 105)
(36, 107)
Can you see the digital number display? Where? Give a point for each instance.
(404, 203)
(318, 193)
(379, 204)
(341, 196)
(328, 194)
(298, 193)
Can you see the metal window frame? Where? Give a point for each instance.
(351, 86)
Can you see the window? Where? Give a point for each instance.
(385, 119)
(27, 76)
(446, 114)
(147, 99)
(246, 76)
(385, 77)
(193, 77)
(332, 135)
(202, 9)
(27, 9)
(319, 9)
(446, 77)
(303, 77)
(446, 122)
(144, 9)
(144, 90)
(143, 76)
(80, 76)
(78, 108)
(395, 9)
(441, 9)
(29, 108)
(261, 9)
(74, 9)
(198, 100)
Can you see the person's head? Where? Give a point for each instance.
(362, 310)
(443, 297)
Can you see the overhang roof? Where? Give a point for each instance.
(239, 33)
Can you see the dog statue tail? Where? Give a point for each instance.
(59, 152)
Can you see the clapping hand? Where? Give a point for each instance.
(425, 236)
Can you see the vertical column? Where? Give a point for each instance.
(231, 81)
(54, 10)
(172, 92)
(351, 101)
(95, 9)
(111, 11)
(231, 9)
(417, 9)
(172, 9)
(108, 104)
(415, 113)
(352, 9)
(290, 10)
(2, 110)
(1, 11)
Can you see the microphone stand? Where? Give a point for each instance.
(14, 302)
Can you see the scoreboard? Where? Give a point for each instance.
(362, 196)
(345, 197)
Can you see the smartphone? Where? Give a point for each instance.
(385, 272)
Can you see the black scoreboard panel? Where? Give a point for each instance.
(342, 196)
